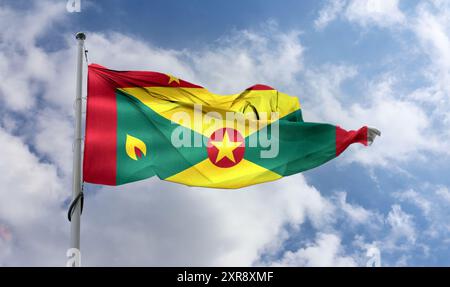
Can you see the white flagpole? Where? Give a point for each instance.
(77, 177)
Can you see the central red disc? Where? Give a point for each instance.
(226, 147)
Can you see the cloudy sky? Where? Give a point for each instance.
(384, 63)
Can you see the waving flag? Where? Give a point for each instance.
(142, 124)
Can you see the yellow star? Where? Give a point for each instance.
(173, 79)
(226, 148)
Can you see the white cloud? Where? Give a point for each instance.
(329, 13)
(134, 54)
(383, 13)
(21, 61)
(399, 236)
(415, 198)
(414, 122)
(325, 251)
(432, 29)
(269, 57)
(53, 138)
(430, 23)
(444, 193)
(433, 201)
(406, 129)
(324, 84)
(31, 198)
(402, 225)
(355, 213)
(165, 224)
(21, 170)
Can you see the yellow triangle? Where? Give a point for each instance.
(167, 101)
(207, 174)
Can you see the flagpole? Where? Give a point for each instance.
(77, 176)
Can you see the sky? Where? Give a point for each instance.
(381, 63)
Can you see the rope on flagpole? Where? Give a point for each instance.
(86, 51)
(79, 199)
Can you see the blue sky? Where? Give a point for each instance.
(381, 63)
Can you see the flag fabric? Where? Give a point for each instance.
(142, 124)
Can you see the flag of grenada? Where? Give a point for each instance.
(133, 118)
